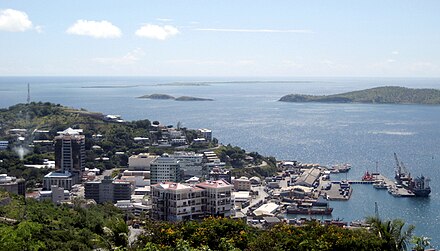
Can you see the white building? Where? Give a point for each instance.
(206, 133)
(164, 168)
(56, 194)
(141, 161)
(218, 197)
(174, 202)
(190, 162)
(137, 178)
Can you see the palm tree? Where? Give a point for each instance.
(392, 232)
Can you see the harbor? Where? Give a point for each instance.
(301, 192)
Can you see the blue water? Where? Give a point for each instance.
(248, 115)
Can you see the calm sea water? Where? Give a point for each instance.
(247, 114)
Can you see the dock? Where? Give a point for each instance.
(392, 187)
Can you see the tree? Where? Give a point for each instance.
(420, 243)
(392, 232)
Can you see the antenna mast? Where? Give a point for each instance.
(29, 94)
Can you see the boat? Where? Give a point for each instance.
(418, 186)
(380, 184)
(367, 176)
(340, 168)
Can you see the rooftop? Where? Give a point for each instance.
(214, 184)
(70, 131)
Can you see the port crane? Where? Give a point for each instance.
(402, 173)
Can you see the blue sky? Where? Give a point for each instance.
(220, 38)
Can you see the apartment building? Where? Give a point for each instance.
(174, 201)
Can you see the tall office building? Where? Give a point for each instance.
(70, 153)
(70, 157)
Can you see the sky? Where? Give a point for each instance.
(375, 38)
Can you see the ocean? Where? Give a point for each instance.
(245, 112)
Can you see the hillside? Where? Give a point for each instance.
(379, 95)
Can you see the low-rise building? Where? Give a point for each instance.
(220, 174)
(242, 184)
(60, 179)
(206, 133)
(308, 177)
(12, 184)
(141, 162)
(56, 194)
(137, 178)
(107, 190)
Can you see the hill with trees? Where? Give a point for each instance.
(378, 95)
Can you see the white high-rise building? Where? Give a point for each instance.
(163, 169)
(191, 163)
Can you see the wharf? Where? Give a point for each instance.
(335, 192)
(392, 187)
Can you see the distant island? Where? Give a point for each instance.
(378, 95)
(181, 98)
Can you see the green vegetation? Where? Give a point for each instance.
(157, 96)
(246, 164)
(45, 226)
(227, 234)
(182, 98)
(379, 95)
(187, 98)
(115, 143)
(32, 225)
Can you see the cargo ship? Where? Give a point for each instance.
(419, 186)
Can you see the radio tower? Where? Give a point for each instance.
(29, 94)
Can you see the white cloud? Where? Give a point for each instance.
(164, 19)
(14, 21)
(157, 31)
(253, 30)
(96, 29)
(129, 58)
(395, 52)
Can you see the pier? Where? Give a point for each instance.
(392, 187)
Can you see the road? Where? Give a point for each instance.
(261, 196)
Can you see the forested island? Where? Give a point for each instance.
(378, 95)
(181, 98)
